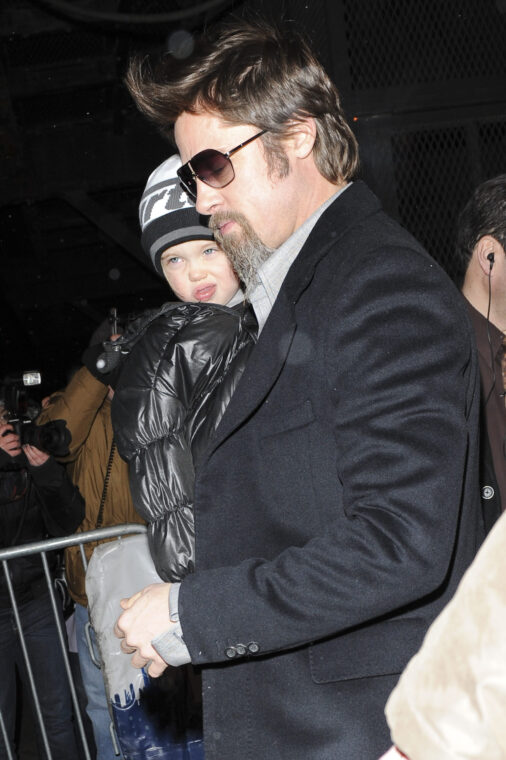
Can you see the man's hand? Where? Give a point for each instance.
(35, 456)
(9, 441)
(146, 616)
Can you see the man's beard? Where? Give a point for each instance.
(245, 250)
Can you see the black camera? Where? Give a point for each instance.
(52, 437)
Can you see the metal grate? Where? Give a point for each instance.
(436, 171)
(433, 181)
(394, 43)
(492, 141)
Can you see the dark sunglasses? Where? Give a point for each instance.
(211, 166)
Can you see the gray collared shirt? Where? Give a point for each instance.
(236, 299)
(274, 270)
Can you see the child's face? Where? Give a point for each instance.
(198, 270)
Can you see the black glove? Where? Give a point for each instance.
(103, 360)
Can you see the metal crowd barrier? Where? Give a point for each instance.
(42, 547)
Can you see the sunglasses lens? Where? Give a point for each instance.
(213, 168)
(210, 166)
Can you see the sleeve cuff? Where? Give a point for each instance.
(49, 474)
(170, 644)
(171, 647)
(174, 602)
(5, 458)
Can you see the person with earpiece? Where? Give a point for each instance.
(450, 701)
(480, 255)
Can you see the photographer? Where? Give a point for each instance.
(95, 466)
(37, 500)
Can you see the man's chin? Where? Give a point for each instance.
(241, 244)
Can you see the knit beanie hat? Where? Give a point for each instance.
(166, 214)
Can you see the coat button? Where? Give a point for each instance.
(241, 650)
(253, 647)
(230, 652)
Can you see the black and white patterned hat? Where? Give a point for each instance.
(166, 214)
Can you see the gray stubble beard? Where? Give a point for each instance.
(246, 251)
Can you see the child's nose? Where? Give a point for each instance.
(197, 272)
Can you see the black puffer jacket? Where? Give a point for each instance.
(182, 366)
(35, 503)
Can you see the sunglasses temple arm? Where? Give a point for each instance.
(243, 144)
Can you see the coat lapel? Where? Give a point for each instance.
(262, 370)
(269, 355)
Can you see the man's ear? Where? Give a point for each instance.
(486, 251)
(302, 136)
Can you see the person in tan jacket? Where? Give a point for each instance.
(101, 475)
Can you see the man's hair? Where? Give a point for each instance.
(484, 214)
(252, 73)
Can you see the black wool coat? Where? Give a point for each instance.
(337, 505)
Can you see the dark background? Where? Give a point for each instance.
(423, 83)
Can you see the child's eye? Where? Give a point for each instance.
(209, 251)
(172, 260)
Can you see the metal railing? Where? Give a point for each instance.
(42, 548)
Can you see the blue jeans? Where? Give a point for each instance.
(97, 707)
(46, 661)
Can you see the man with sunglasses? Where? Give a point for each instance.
(336, 506)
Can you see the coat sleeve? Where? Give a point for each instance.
(61, 503)
(5, 458)
(78, 405)
(401, 403)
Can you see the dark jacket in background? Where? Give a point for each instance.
(493, 418)
(35, 503)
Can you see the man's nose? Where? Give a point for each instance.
(208, 198)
